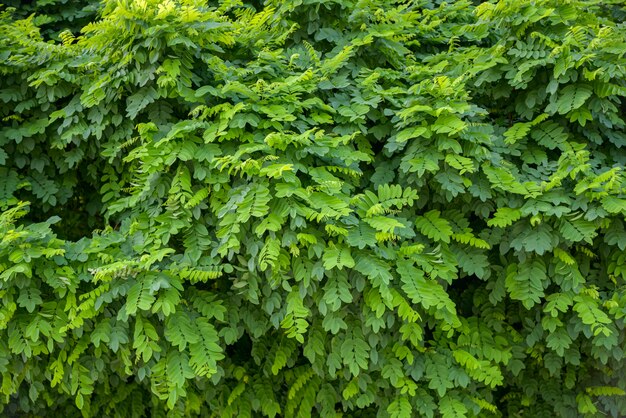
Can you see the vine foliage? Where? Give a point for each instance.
(304, 208)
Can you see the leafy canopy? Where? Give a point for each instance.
(304, 208)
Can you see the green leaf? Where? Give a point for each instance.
(376, 269)
(438, 374)
(355, 354)
(538, 239)
(9, 181)
(205, 351)
(434, 227)
(559, 341)
(140, 297)
(410, 133)
(570, 98)
(451, 407)
(448, 123)
(400, 408)
(140, 100)
(361, 236)
(504, 217)
(29, 298)
(578, 229)
(337, 256)
(525, 282)
(427, 292)
(613, 204)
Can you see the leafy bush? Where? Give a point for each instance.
(307, 208)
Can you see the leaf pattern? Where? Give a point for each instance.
(291, 209)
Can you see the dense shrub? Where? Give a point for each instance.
(313, 208)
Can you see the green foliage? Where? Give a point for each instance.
(291, 209)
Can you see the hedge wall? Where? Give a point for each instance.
(345, 208)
